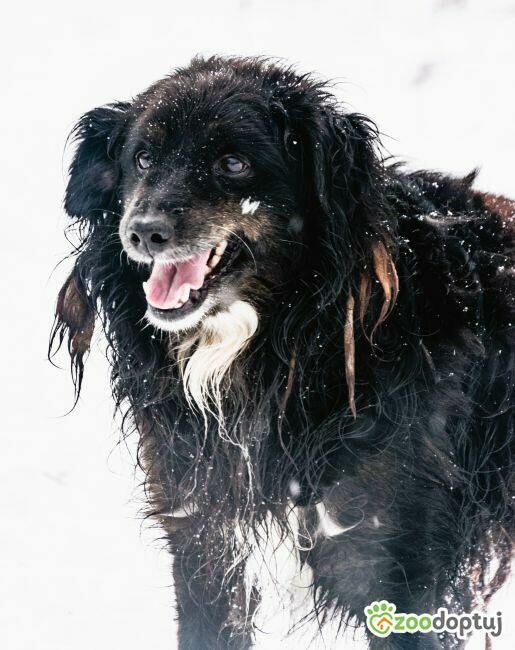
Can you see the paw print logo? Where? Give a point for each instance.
(380, 617)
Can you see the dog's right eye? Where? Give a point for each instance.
(143, 159)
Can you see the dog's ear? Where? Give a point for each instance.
(336, 155)
(342, 170)
(340, 179)
(91, 189)
(344, 163)
(94, 171)
(74, 319)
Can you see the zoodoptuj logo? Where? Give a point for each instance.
(383, 620)
(380, 617)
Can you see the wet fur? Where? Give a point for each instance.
(379, 382)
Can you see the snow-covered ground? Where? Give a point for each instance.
(78, 570)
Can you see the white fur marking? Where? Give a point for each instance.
(273, 567)
(327, 526)
(206, 356)
(284, 618)
(248, 206)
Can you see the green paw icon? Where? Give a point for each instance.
(380, 617)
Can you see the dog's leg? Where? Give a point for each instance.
(204, 607)
(368, 551)
(355, 572)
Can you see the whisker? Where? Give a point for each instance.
(231, 232)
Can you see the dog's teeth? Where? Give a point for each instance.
(145, 287)
(185, 295)
(214, 261)
(207, 270)
(220, 248)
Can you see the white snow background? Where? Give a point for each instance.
(78, 567)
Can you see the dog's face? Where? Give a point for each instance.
(207, 195)
(227, 180)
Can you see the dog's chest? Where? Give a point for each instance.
(285, 616)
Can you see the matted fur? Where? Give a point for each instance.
(376, 388)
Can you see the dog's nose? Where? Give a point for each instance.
(150, 234)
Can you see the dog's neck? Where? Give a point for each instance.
(206, 355)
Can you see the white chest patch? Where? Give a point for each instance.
(206, 356)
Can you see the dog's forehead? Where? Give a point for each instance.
(199, 109)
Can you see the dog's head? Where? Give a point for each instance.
(228, 175)
(233, 187)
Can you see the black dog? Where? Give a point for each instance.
(315, 348)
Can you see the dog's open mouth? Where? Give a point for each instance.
(176, 288)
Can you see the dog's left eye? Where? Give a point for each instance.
(143, 159)
(233, 165)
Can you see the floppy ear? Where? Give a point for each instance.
(346, 214)
(75, 317)
(91, 190)
(346, 174)
(341, 181)
(94, 171)
(344, 159)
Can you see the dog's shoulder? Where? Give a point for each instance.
(455, 247)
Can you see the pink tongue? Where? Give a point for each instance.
(172, 282)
